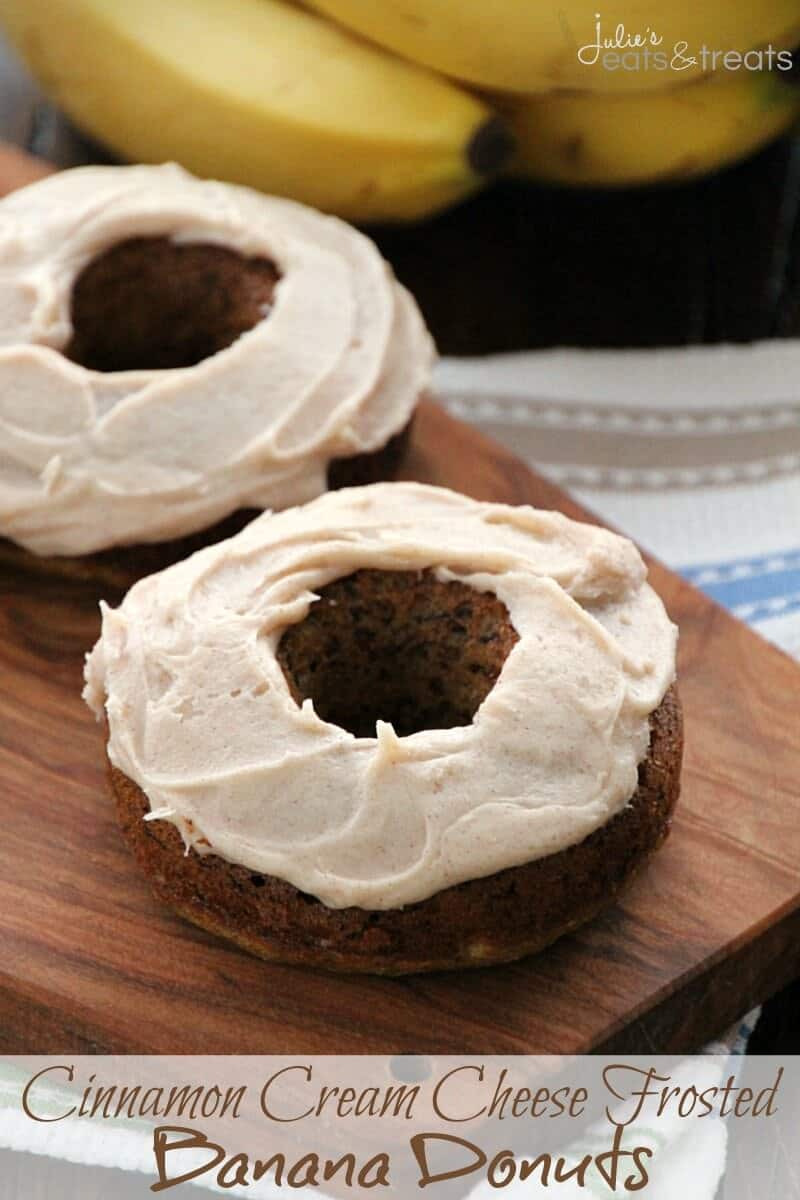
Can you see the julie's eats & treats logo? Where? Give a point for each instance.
(617, 47)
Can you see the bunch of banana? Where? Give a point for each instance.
(263, 93)
(578, 122)
(291, 98)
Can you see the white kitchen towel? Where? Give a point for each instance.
(117, 1144)
(694, 452)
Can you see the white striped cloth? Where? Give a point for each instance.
(693, 452)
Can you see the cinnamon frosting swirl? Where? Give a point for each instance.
(95, 458)
(202, 718)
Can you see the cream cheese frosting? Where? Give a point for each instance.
(200, 714)
(90, 460)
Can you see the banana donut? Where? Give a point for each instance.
(393, 730)
(175, 350)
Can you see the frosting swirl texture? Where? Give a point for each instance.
(201, 717)
(90, 460)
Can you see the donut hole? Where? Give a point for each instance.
(398, 646)
(149, 303)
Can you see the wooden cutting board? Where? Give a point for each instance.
(89, 962)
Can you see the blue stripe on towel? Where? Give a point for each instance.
(779, 606)
(753, 588)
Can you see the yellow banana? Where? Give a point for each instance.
(675, 134)
(534, 45)
(262, 93)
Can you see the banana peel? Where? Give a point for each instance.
(609, 140)
(545, 45)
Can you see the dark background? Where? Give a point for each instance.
(523, 266)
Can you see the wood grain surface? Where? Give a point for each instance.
(90, 962)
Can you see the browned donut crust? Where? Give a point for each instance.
(490, 920)
(121, 566)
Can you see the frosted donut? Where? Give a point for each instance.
(172, 350)
(365, 719)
